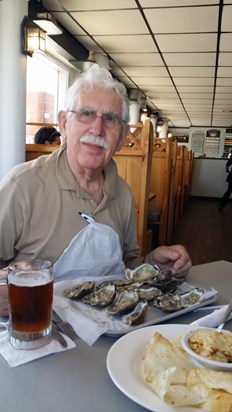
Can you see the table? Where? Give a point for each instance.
(77, 380)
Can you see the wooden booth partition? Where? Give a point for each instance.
(179, 183)
(160, 186)
(184, 154)
(188, 169)
(134, 165)
(172, 194)
(36, 150)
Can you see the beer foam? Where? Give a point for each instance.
(30, 279)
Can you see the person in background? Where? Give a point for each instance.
(47, 135)
(225, 198)
(88, 227)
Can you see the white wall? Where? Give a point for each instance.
(12, 85)
(209, 177)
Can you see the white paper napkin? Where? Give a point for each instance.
(213, 319)
(88, 330)
(16, 357)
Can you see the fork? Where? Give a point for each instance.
(225, 317)
(64, 327)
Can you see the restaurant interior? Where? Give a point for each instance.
(175, 59)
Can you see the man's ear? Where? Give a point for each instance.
(124, 134)
(62, 118)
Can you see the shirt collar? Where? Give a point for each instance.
(67, 180)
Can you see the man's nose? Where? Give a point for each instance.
(97, 125)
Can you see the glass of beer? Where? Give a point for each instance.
(30, 291)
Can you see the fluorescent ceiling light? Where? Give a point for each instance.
(48, 23)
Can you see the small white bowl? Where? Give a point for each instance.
(207, 363)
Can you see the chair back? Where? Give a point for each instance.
(36, 150)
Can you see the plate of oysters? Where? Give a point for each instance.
(143, 296)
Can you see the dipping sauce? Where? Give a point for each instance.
(212, 344)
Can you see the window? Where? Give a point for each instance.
(46, 87)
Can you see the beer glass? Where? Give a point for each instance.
(30, 291)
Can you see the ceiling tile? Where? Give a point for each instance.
(221, 89)
(157, 72)
(164, 96)
(175, 3)
(89, 43)
(224, 72)
(187, 42)
(143, 72)
(183, 19)
(74, 5)
(226, 42)
(192, 71)
(193, 81)
(199, 96)
(226, 18)
(69, 23)
(124, 44)
(112, 22)
(190, 59)
(224, 81)
(225, 59)
(158, 82)
(195, 89)
(137, 59)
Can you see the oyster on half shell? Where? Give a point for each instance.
(79, 290)
(136, 317)
(141, 273)
(119, 283)
(172, 302)
(101, 297)
(123, 302)
(148, 293)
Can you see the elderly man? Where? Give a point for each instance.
(71, 207)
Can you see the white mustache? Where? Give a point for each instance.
(96, 140)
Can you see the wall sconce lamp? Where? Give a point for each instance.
(34, 38)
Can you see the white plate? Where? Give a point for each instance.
(124, 365)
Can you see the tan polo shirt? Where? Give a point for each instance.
(40, 203)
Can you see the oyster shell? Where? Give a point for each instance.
(169, 285)
(131, 286)
(148, 293)
(123, 302)
(195, 295)
(168, 302)
(119, 283)
(79, 290)
(101, 297)
(141, 273)
(136, 317)
(172, 302)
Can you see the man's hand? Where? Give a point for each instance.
(174, 258)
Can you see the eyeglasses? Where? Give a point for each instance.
(87, 116)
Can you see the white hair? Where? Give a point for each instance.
(97, 76)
